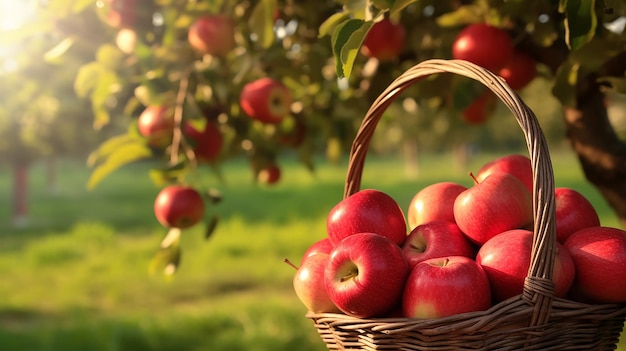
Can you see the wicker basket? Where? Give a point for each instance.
(534, 320)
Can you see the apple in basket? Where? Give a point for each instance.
(514, 164)
(365, 275)
(323, 245)
(498, 203)
(599, 254)
(573, 212)
(445, 286)
(433, 202)
(506, 260)
(308, 283)
(436, 239)
(367, 211)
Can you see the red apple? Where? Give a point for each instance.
(293, 137)
(436, 239)
(212, 34)
(266, 100)
(156, 124)
(178, 206)
(207, 143)
(269, 175)
(308, 283)
(479, 111)
(519, 70)
(384, 41)
(506, 260)
(498, 203)
(122, 13)
(599, 254)
(484, 45)
(320, 246)
(434, 202)
(445, 286)
(514, 164)
(365, 275)
(573, 213)
(370, 211)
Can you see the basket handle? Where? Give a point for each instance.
(538, 287)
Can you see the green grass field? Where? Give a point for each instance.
(77, 277)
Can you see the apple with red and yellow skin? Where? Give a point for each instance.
(445, 286)
(321, 246)
(498, 203)
(599, 254)
(308, 283)
(384, 41)
(178, 206)
(519, 70)
(436, 239)
(156, 124)
(433, 202)
(573, 213)
(367, 210)
(479, 110)
(514, 164)
(269, 175)
(506, 260)
(212, 34)
(365, 275)
(266, 100)
(208, 143)
(484, 45)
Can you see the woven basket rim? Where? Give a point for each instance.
(538, 288)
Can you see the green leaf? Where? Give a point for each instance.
(399, 5)
(54, 55)
(565, 82)
(346, 42)
(87, 78)
(580, 22)
(262, 22)
(211, 226)
(462, 16)
(110, 146)
(357, 8)
(109, 56)
(167, 259)
(329, 25)
(123, 155)
(616, 83)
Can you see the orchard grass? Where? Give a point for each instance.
(76, 278)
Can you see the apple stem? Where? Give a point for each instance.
(473, 177)
(349, 276)
(287, 261)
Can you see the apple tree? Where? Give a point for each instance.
(197, 82)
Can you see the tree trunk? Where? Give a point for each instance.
(51, 175)
(20, 195)
(601, 153)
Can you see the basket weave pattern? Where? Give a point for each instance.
(534, 320)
